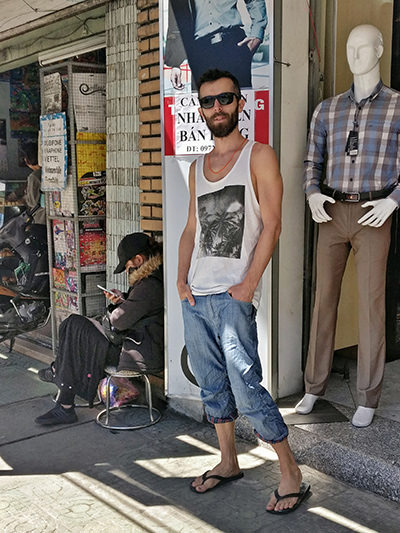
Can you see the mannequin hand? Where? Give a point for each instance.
(376, 217)
(316, 202)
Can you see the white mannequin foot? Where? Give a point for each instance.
(306, 404)
(363, 417)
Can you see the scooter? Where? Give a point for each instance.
(24, 276)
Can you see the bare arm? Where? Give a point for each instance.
(186, 243)
(268, 186)
(32, 193)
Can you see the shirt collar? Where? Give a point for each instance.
(371, 97)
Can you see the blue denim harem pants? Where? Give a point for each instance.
(221, 340)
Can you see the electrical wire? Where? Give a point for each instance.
(58, 37)
(314, 32)
(37, 10)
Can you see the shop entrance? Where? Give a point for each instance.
(393, 270)
(339, 80)
(23, 101)
(342, 383)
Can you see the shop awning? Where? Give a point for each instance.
(18, 16)
(31, 27)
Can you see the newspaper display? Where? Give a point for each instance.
(52, 93)
(53, 131)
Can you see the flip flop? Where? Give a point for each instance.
(303, 493)
(222, 481)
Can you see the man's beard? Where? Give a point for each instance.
(223, 129)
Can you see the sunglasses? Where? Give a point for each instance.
(207, 102)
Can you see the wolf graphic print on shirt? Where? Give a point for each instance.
(221, 218)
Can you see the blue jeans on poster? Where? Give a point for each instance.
(221, 340)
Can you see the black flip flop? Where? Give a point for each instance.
(222, 481)
(303, 493)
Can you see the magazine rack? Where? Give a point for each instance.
(76, 214)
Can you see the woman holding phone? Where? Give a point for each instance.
(131, 335)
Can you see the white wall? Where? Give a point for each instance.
(295, 26)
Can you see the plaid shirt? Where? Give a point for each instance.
(377, 164)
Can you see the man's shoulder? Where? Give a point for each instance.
(261, 151)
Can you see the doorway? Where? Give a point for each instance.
(393, 268)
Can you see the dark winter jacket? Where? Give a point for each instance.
(141, 318)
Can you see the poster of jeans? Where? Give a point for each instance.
(197, 35)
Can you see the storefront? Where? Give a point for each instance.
(148, 155)
(54, 155)
(330, 75)
(59, 88)
(133, 154)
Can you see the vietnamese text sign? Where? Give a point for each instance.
(53, 131)
(186, 133)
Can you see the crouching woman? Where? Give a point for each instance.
(131, 335)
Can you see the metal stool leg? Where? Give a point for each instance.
(148, 396)
(108, 399)
(104, 418)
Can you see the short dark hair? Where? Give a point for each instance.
(214, 74)
(30, 152)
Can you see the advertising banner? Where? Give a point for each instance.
(198, 35)
(53, 131)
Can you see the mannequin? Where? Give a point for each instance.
(357, 132)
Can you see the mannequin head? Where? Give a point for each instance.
(364, 49)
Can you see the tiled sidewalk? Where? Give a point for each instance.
(83, 478)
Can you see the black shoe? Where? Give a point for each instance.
(57, 415)
(47, 374)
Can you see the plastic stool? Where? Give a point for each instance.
(103, 418)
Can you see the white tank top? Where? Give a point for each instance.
(228, 225)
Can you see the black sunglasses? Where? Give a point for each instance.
(207, 102)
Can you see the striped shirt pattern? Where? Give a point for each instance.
(377, 164)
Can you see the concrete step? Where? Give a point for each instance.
(37, 347)
(367, 458)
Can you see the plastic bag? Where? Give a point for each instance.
(122, 391)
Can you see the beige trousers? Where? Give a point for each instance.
(370, 246)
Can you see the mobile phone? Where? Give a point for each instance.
(109, 292)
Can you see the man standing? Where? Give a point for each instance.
(209, 33)
(32, 196)
(357, 134)
(233, 225)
